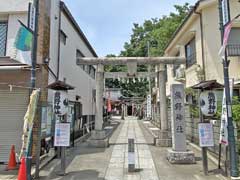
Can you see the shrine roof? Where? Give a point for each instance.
(208, 85)
(60, 85)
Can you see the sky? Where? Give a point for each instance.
(108, 24)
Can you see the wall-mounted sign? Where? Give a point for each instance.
(205, 135)
(208, 103)
(62, 134)
(60, 103)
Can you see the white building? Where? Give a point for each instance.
(60, 42)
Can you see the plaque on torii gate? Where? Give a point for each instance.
(98, 137)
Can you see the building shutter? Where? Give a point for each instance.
(13, 106)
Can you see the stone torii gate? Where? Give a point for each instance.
(98, 137)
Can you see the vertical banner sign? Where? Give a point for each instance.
(227, 31)
(149, 108)
(224, 119)
(31, 16)
(225, 10)
(208, 103)
(178, 117)
(205, 135)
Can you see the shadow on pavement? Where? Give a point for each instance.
(198, 158)
(76, 175)
(82, 162)
(217, 171)
(10, 172)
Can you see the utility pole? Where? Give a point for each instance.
(231, 138)
(33, 84)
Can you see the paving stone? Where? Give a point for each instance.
(144, 164)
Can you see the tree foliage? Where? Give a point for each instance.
(156, 31)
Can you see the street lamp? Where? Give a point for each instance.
(226, 62)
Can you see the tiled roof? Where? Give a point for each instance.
(208, 85)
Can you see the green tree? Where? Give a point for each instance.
(157, 31)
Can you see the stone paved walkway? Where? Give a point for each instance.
(118, 166)
(84, 163)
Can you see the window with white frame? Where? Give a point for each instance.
(3, 38)
(233, 47)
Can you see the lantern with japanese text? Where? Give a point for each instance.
(208, 103)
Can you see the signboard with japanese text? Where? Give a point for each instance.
(149, 106)
(225, 11)
(31, 16)
(205, 135)
(224, 118)
(178, 117)
(62, 135)
(60, 103)
(208, 103)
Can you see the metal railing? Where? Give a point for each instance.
(233, 49)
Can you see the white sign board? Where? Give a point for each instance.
(208, 103)
(178, 118)
(60, 103)
(149, 106)
(131, 158)
(205, 135)
(62, 134)
(224, 118)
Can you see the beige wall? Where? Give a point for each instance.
(13, 6)
(211, 42)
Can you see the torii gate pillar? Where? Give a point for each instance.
(99, 97)
(98, 136)
(164, 139)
